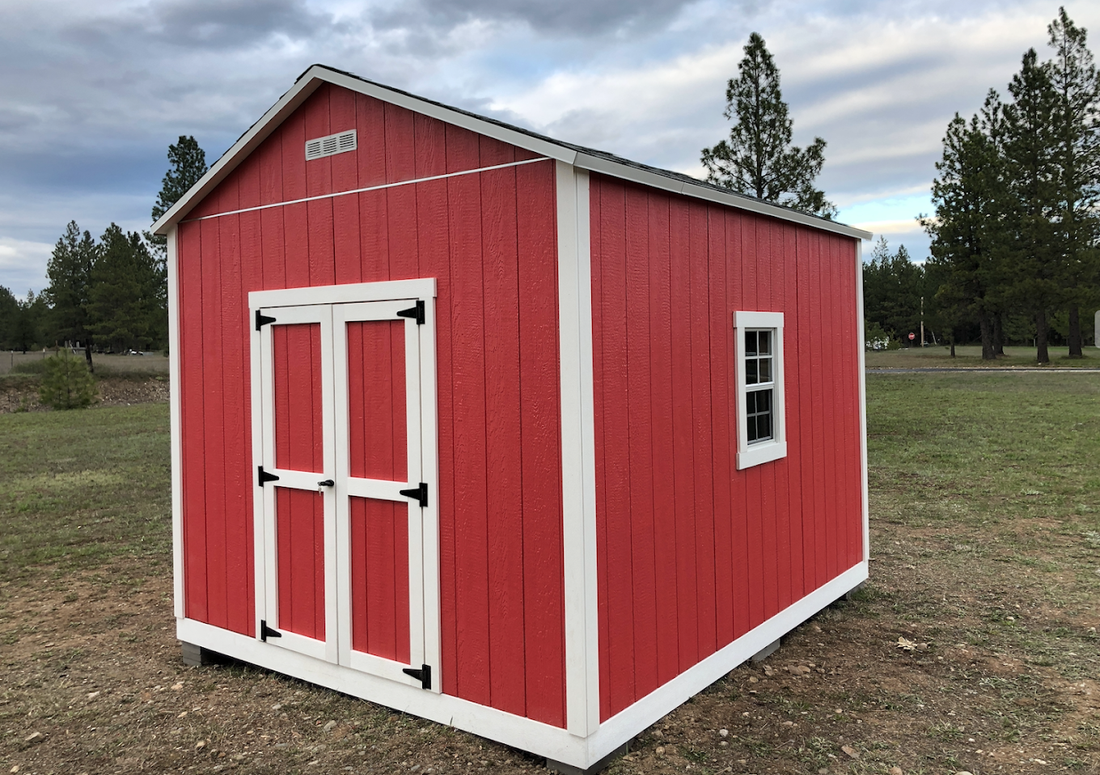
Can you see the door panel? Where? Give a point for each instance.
(377, 444)
(300, 527)
(380, 578)
(296, 361)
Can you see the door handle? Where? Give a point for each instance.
(325, 483)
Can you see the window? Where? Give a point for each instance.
(760, 409)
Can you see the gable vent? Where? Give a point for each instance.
(320, 147)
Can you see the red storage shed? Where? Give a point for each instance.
(501, 431)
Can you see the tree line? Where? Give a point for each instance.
(1016, 228)
(105, 295)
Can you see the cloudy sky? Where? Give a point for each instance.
(94, 92)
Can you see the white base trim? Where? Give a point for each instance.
(538, 738)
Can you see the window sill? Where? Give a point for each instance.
(757, 454)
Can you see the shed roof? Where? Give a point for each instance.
(577, 155)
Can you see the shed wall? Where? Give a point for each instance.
(693, 553)
(489, 240)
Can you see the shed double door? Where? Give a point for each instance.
(344, 490)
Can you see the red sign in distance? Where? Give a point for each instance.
(912, 337)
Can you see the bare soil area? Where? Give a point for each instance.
(93, 682)
(21, 395)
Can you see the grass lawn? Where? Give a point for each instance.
(83, 488)
(967, 356)
(973, 647)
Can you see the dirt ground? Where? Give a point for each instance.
(22, 395)
(93, 682)
(928, 669)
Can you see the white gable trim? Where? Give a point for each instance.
(312, 79)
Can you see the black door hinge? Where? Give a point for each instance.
(424, 675)
(418, 493)
(268, 632)
(417, 313)
(262, 320)
(264, 476)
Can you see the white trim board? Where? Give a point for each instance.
(175, 424)
(349, 293)
(577, 435)
(586, 159)
(528, 735)
(862, 357)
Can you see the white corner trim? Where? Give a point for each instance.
(646, 711)
(578, 452)
(862, 349)
(175, 425)
(775, 449)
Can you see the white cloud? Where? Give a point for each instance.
(23, 264)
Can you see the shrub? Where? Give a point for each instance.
(67, 383)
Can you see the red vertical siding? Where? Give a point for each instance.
(664, 491)
(540, 430)
(640, 436)
(489, 240)
(719, 391)
(691, 552)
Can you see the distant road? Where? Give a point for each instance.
(1018, 369)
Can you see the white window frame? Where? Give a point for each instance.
(765, 451)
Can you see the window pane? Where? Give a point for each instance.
(765, 342)
(750, 343)
(763, 400)
(751, 377)
(763, 426)
(765, 370)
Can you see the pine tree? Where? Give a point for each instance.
(758, 159)
(9, 311)
(892, 286)
(1032, 180)
(28, 322)
(122, 293)
(188, 165)
(70, 271)
(1076, 124)
(967, 228)
(67, 382)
